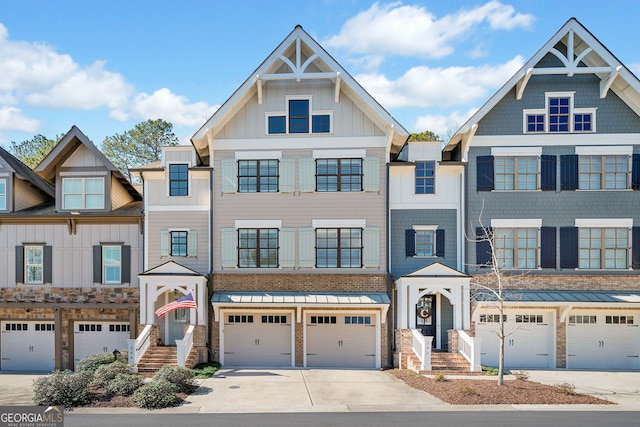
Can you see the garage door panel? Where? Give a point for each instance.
(98, 337)
(27, 346)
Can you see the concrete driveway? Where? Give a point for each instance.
(17, 388)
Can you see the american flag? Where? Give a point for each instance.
(183, 302)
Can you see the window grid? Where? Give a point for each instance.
(274, 319)
(33, 264)
(3, 194)
(258, 248)
(258, 176)
(240, 319)
(338, 247)
(178, 180)
(357, 320)
(338, 175)
(321, 123)
(559, 114)
(603, 248)
(582, 122)
(111, 264)
(299, 116)
(179, 243)
(492, 318)
(319, 320)
(425, 177)
(529, 318)
(582, 319)
(619, 320)
(425, 242)
(614, 176)
(83, 193)
(277, 124)
(516, 173)
(535, 123)
(516, 247)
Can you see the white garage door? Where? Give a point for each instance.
(27, 346)
(603, 340)
(258, 339)
(98, 337)
(529, 340)
(341, 341)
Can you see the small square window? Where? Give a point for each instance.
(277, 124)
(535, 122)
(178, 180)
(321, 123)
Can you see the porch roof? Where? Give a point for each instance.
(295, 298)
(561, 296)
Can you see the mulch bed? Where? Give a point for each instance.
(483, 391)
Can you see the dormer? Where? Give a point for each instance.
(84, 179)
(20, 187)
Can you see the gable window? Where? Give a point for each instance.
(603, 248)
(179, 243)
(516, 173)
(3, 194)
(300, 118)
(34, 264)
(516, 247)
(111, 263)
(338, 175)
(258, 176)
(277, 124)
(339, 247)
(258, 248)
(603, 172)
(425, 177)
(559, 116)
(178, 180)
(83, 193)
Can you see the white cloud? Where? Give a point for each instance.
(168, 106)
(635, 69)
(398, 29)
(439, 87)
(12, 119)
(442, 125)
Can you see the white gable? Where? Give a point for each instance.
(436, 269)
(171, 268)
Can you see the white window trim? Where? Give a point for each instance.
(516, 151)
(251, 223)
(425, 227)
(26, 275)
(258, 155)
(589, 110)
(178, 229)
(339, 223)
(569, 95)
(275, 114)
(3, 207)
(604, 222)
(431, 228)
(340, 154)
(616, 150)
(168, 180)
(516, 223)
(533, 111)
(104, 275)
(322, 113)
(83, 194)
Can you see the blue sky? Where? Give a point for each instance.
(107, 65)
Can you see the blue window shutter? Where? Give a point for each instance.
(483, 247)
(229, 176)
(287, 251)
(19, 264)
(410, 242)
(484, 169)
(307, 175)
(371, 169)
(547, 247)
(125, 266)
(164, 243)
(287, 179)
(97, 264)
(548, 173)
(371, 247)
(569, 172)
(229, 237)
(307, 247)
(440, 242)
(47, 264)
(635, 248)
(635, 172)
(192, 243)
(568, 247)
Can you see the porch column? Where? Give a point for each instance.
(202, 302)
(411, 311)
(466, 306)
(457, 306)
(402, 305)
(143, 302)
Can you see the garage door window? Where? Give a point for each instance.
(582, 320)
(357, 320)
(274, 319)
(119, 328)
(89, 328)
(492, 318)
(16, 327)
(619, 320)
(240, 319)
(318, 320)
(529, 318)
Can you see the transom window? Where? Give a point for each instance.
(179, 243)
(111, 263)
(83, 193)
(516, 247)
(338, 175)
(425, 242)
(516, 173)
(299, 119)
(603, 248)
(619, 320)
(33, 264)
(3, 194)
(582, 319)
(258, 176)
(598, 172)
(258, 247)
(425, 177)
(178, 180)
(339, 247)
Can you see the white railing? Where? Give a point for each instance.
(422, 348)
(469, 347)
(184, 346)
(137, 347)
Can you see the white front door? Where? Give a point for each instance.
(341, 340)
(27, 346)
(98, 337)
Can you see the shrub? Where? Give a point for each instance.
(91, 363)
(489, 371)
(205, 370)
(438, 377)
(469, 391)
(156, 395)
(565, 388)
(124, 384)
(63, 388)
(105, 373)
(180, 376)
(521, 375)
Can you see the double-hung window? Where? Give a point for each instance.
(34, 264)
(83, 193)
(3, 194)
(603, 248)
(516, 247)
(178, 180)
(516, 173)
(598, 172)
(425, 242)
(258, 176)
(258, 247)
(338, 247)
(338, 175)
(179, 243)
(112, 264)
(425, 177)
(299, 118)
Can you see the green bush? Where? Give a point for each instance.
(105, 373)
(180, 376)
(63, 388)
(124, 384)
(205, 370)
(156, 395)
(91, 363)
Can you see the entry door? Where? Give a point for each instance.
(177, 319)
(426, 316)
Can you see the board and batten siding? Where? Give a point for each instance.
(82, 157)
(198, 221)
(156, 195)
(72, 254)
